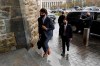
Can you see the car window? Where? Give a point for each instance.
(98, 17)
(50, 15)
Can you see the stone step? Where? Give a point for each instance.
(17, 58)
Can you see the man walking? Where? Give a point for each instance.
(45, 30)
(66, 35)
(60, 22)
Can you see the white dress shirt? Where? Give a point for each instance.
(65, 29)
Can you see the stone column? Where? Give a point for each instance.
(30, 13)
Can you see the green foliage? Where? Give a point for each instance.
(57, 14)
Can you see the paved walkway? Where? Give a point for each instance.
(79, 55)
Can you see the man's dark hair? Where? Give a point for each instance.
(62, 12)
(44, 10)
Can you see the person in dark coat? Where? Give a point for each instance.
(45, 30)
(87, 20)
(66, 35)
(60, 22)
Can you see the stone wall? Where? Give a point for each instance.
(30, 13)
(19, 27)
(7, 38)
(7, 42)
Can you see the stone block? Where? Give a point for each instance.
(2, 28)
(7, 49)
(31, 8)
(3, 46)
(11, 41)
(5, 3)
(2, 23)
(25, 2)
(7, 41)
(4, 49)
(3, 42)
(35, 25)
(34, 40)
(10, 35)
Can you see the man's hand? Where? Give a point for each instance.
(44, 27)
(65, 20)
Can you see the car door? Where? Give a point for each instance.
(95, 27)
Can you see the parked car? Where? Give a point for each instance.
(92, 8)
(52, 16)
(77, 24)
(54, 11)
(57, 10)
(77, 8)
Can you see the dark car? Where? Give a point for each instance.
(78, 25)
(52, 16)
(95, 27)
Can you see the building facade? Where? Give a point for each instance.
(93, 2)
(50, 3)
(69, 1)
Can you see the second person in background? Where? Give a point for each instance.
(66, 35)
(60, 22)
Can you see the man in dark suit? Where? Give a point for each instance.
(60, 22)
(45, 30)
(87, 20)
(66, 35)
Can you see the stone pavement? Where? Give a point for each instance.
(17, 58)
(79, 54)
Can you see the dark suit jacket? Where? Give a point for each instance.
(60, 20)
(49, 25)
(88, 21)
(68, 31)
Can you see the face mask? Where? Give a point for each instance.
(42, 16)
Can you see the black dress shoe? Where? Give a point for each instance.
(63, 55)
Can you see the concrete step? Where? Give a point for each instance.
(17, 58)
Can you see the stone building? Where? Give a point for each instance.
(18, 24)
